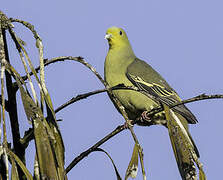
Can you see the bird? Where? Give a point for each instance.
(123, 67)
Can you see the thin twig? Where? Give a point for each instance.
(28, 25)
(79, 97)
(91, 149)
(69, 58)
(7, 107)
(130, 127)
(29, 135)
(196, 98)
(85, 95)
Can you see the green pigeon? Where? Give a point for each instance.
(123, 67)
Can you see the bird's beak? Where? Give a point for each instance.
(108, 36)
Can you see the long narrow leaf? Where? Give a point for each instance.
(44, 137)
(52, 129)
(132, 169)
(116, 170)
(20, 163)
(14, 172)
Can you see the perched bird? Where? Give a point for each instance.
(123, 67)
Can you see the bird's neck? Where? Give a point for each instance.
(116, 63)
(121, 57)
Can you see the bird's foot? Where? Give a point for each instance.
(144, 117)
(128, 123)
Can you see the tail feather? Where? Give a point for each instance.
(182, 144)
(184, 161)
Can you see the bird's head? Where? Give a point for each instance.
(116, 37)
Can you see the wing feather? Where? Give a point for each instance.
(150, 82)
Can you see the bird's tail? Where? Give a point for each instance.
(185, 150)
(184, 162)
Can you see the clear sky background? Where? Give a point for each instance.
(182, 40)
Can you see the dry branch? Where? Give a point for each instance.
(92, 148)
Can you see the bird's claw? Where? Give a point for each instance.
(144, 117)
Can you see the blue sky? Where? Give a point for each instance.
(182, 40)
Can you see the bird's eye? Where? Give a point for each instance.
(120, 32)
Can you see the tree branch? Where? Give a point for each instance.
(6, 103)
(69, 58)
(28, 136)
(94, 147)
(193, 99)
(28, 25)
(85, 95)
(12, 107)
(79, 97)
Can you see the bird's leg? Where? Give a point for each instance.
(156, 119)
(144, 117)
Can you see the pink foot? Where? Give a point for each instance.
(144, 117)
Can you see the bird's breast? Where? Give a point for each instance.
(115, 74)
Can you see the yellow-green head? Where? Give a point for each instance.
(116, 37)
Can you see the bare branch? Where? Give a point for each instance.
(196, 98)
(79, 97)
(85, 95)
(70, 58)
(28, 136)
(93, 148)
(7, 107)
(28, 25)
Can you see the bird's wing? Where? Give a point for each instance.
(150, 82)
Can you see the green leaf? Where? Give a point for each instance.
(116, 170)
(13, 156)
(45, 138)
(202, 175)
(14, 172)
(57, 144)
(132, 169)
